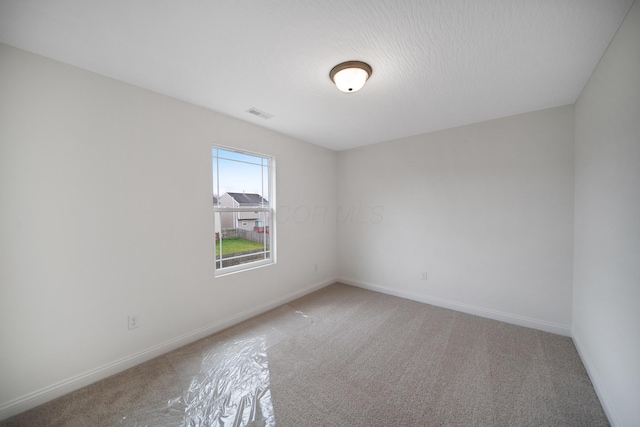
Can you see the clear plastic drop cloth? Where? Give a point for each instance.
(225, 382)
(230, 389)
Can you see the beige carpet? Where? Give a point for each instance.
(344, 356)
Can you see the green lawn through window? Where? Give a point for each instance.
(230, 246)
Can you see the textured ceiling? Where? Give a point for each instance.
(436, 63)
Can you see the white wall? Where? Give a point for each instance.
(106, 211)
(606, 298)
(486, 210)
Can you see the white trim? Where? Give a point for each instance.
(515, 319)
(221, 272)
(61, 388)
(597, 385)
(240, 151)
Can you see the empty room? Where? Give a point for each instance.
(319, 213)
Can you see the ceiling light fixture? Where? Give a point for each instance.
(350, 76)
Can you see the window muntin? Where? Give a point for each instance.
(245, 194)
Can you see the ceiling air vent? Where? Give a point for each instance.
(259, 113)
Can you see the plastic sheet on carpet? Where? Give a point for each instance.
(230, 387)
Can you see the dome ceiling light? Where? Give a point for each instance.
(350, 76)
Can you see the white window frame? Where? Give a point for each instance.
(270, 209)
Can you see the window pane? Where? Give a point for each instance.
(242, 178)
(239, 157)
(244, 244)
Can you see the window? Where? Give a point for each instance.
(243, 194)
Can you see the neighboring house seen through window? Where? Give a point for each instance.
(243, 207)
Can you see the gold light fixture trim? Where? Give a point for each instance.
(350, 76)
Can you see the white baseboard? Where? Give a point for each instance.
(61, 388)
(466, 308)
(597, 384)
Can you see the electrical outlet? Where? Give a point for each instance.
(424, 276)
(134, 321)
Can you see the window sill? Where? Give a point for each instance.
(242, 267)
